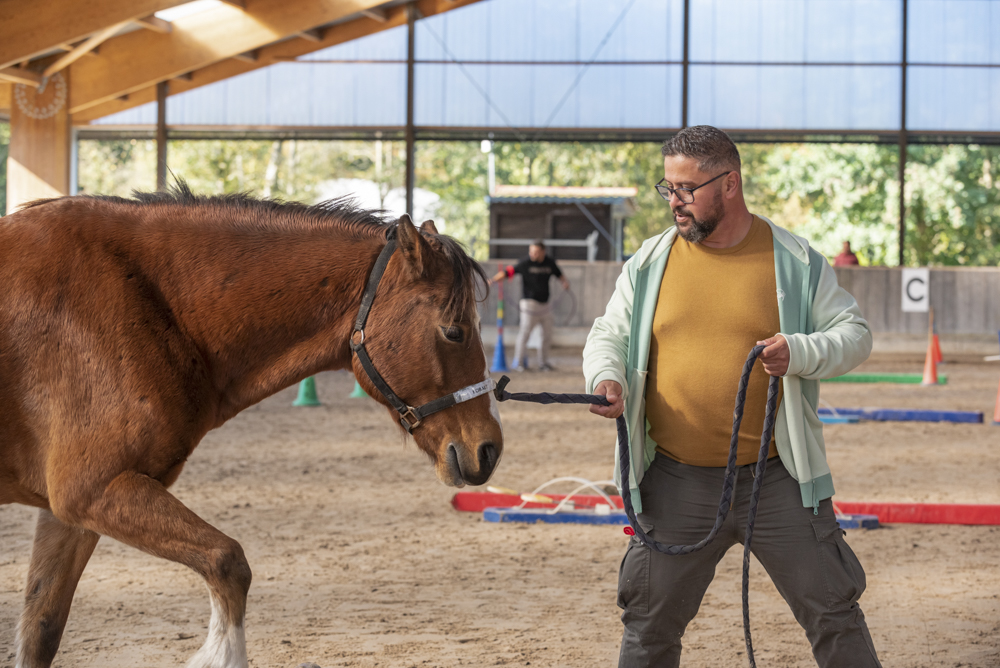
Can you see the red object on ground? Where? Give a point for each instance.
(476, 502)
(930, 366)
(925, 513)
(888, 513)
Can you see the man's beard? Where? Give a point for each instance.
(699, 230)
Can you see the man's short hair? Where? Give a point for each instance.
(539, 243)
(711, 147)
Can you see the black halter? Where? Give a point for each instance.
(409, 417)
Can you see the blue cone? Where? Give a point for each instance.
(499, 356)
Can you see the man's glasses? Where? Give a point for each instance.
(685, 195)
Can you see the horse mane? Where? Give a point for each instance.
(341, 213)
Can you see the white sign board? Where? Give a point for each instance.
(916, 290)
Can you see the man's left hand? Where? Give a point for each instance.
(775, 355)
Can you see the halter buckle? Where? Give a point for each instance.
(409, 419)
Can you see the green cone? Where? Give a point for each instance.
(357, 392)
(307, 393)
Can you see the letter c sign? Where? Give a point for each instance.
(916, 286)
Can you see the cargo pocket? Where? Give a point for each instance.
(841, 570)
(633, 576)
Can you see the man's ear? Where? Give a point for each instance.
(428, 226)
(414, 248)
(733, 182)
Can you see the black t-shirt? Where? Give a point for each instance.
(535, 277)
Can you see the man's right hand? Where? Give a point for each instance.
(613, 392)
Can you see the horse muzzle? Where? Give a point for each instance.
(460, 467)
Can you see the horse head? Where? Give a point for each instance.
(423, 337)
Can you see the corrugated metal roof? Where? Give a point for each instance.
(509, 194)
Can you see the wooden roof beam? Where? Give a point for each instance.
(248, 57)
(140, 59)
(21, 75)
(80, 51)
(376, 14)
(314, 35)
(268, 55)
(31, 29)
(154, 23)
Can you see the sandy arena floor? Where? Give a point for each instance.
(359, 559)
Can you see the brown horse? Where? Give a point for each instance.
(130, 328)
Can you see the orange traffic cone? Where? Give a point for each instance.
(937, 350)
(930, 366)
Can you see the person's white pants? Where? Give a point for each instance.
(533, 314)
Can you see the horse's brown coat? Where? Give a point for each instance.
(129, 329)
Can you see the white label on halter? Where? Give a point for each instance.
(473, 391)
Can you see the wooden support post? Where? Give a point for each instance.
(161, 135)
(411, 17)
(38, 163)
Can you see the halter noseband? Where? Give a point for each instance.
(410, 417)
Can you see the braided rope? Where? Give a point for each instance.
(728, 483)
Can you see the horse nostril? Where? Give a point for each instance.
(488, 457)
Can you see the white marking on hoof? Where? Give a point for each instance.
(225, 646)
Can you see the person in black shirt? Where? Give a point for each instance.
(535, 309)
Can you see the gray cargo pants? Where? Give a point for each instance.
(805, 555)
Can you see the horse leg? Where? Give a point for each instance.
(58, 557)
(139, 511)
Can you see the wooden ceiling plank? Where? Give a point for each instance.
(79, 52)
(21, 75)
(137, 60)
(30, 29)
(154, 23)
(268, 55)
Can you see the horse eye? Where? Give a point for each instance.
(453, 333)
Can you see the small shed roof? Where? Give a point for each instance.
(566, 194)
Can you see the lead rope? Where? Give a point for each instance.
(727, 485)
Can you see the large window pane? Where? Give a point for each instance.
(566, 30)
(607, 96)
(846, 31)
(953, 32)
(953, 98)
(795, 97)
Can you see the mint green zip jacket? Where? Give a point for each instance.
(820, 320)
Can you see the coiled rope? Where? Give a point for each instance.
(728, 484)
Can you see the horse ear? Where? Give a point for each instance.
(412, 245)
(428, 226)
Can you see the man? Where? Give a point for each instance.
(668, 353)
(847, 258)
(535, 309)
